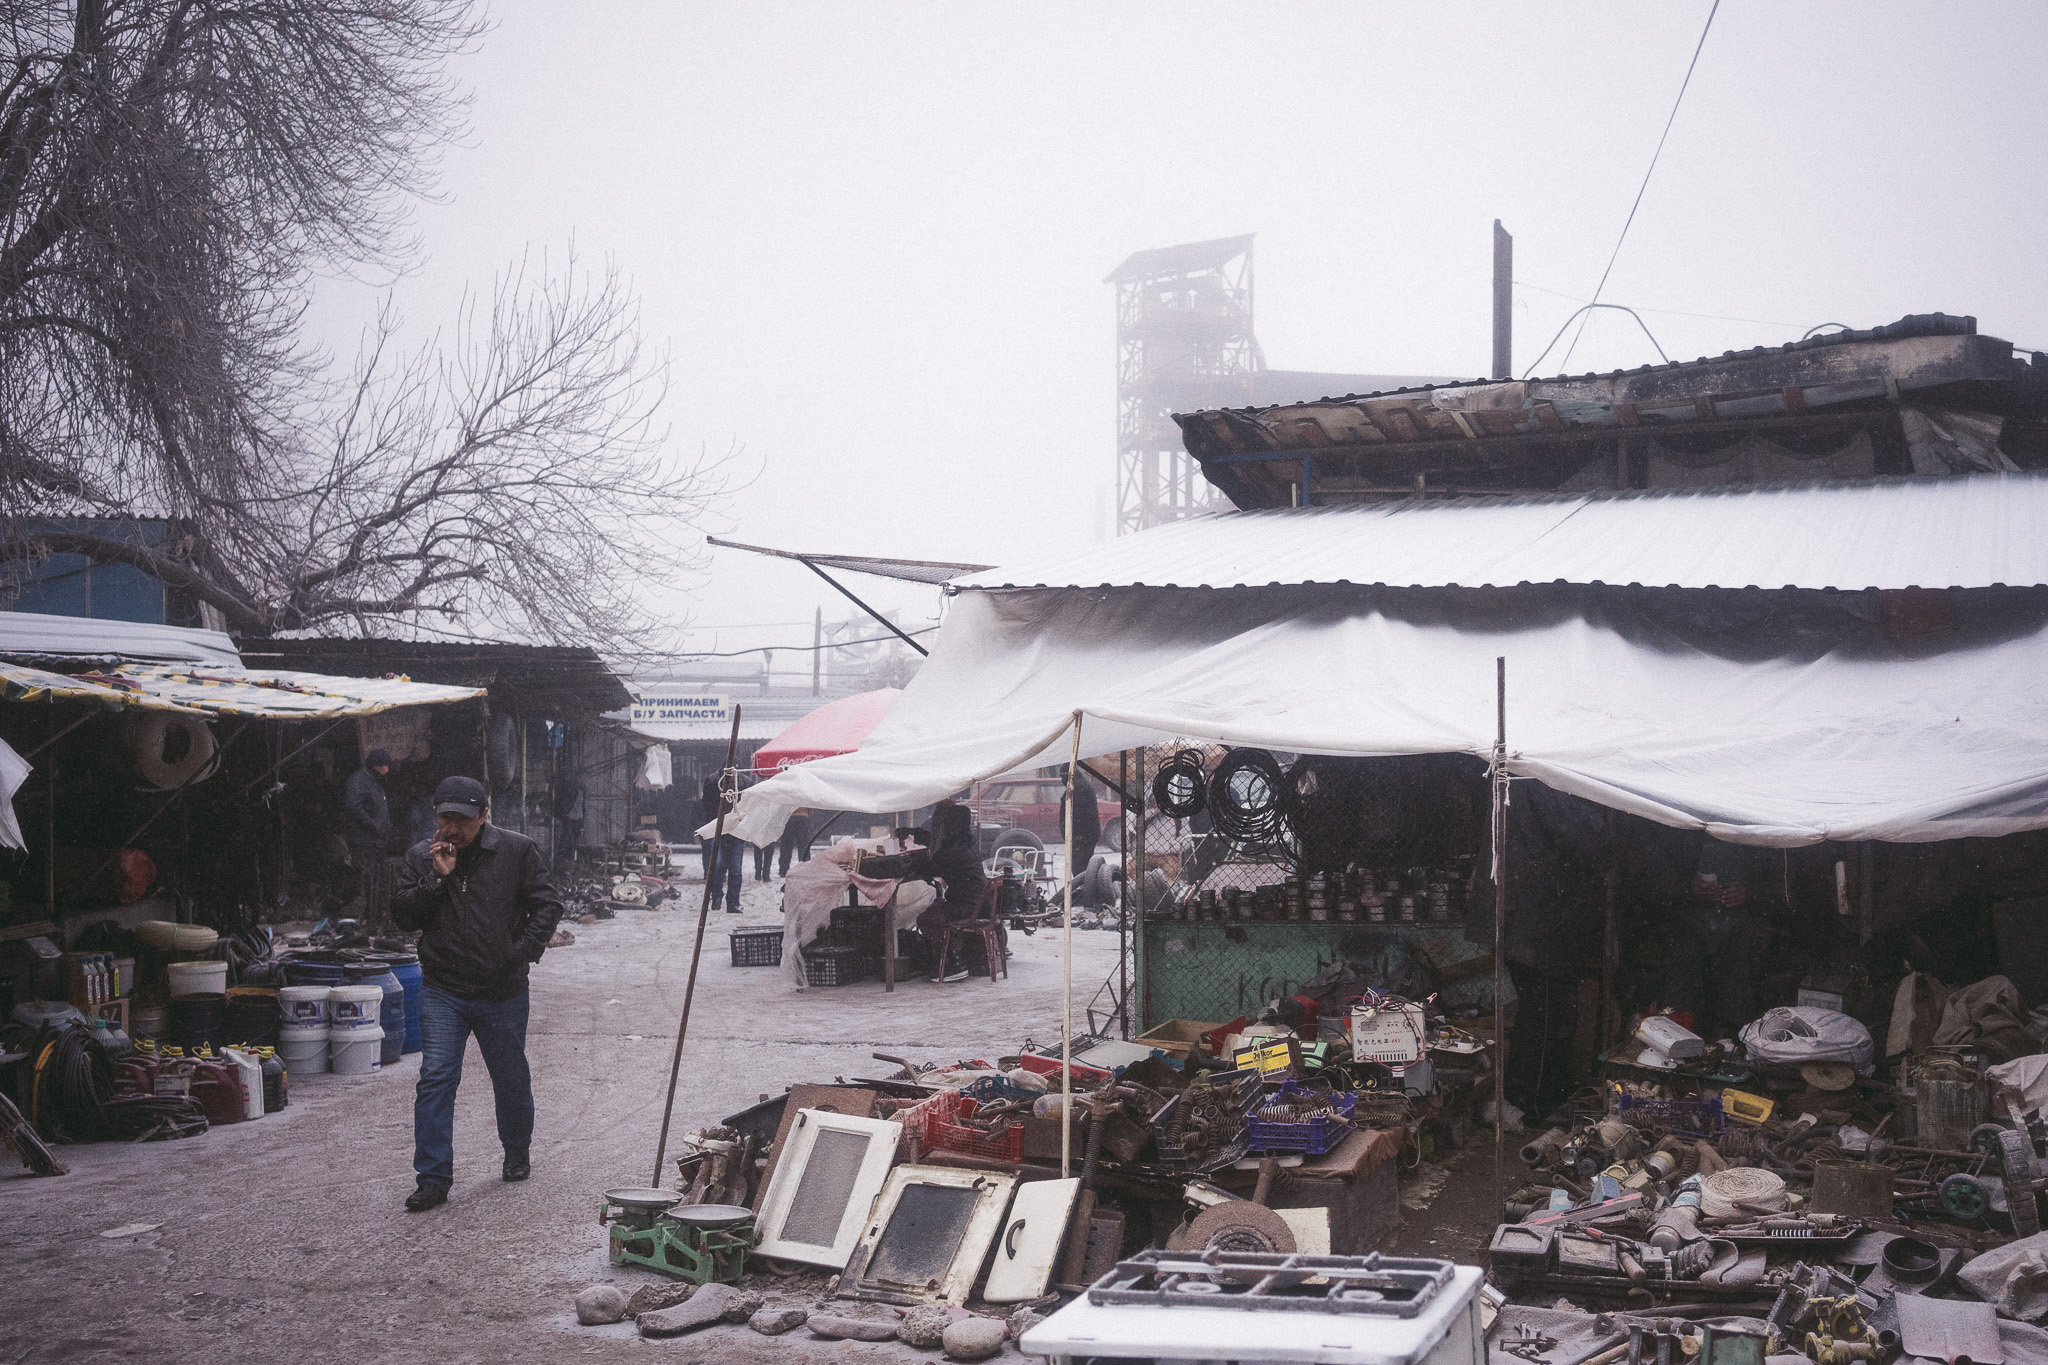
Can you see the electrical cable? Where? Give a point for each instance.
(1178, 788)
(1672, 118)
(1250, 797)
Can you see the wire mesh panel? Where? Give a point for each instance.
(1270, 875)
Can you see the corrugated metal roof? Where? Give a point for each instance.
(33, 635)
(1923, 352)
(1965, 532)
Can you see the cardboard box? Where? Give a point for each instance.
(1175, 1037)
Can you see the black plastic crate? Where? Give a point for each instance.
(834, 966)
(758, 947)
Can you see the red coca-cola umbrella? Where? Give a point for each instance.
(837, 727)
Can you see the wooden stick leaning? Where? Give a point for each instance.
(675, 1064)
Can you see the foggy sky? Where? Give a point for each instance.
(873, 235)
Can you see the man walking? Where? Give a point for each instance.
(482, 899)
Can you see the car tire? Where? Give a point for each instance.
(1016, 836)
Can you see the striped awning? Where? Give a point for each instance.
(221, 690)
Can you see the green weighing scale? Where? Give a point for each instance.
(701, 1243)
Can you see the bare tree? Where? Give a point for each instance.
(171, 172)
(511, 480)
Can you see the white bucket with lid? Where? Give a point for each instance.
(197, 978)
(354, 1006)
(303, 1006)
(303, 1050)
(355, 1051)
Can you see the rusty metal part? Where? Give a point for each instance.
(1240, 1225)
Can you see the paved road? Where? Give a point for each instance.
(287, 1239)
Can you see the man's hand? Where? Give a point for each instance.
(1734, 894)
(444, 858)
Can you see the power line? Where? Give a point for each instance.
(793, 649)
(1682, 85)
(1665, 312)
(1620, 307)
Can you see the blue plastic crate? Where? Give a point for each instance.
(1692, 1118)
(1312, 1136)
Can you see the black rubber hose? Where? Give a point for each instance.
(1249, 796)
(1177, 789)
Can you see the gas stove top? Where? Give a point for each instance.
(1208, 1306)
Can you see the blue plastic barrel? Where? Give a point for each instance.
(407, 970)
(391, 1013)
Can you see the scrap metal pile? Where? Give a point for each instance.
(1787, 1192)
(975, 1189)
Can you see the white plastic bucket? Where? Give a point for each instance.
(197, 978)
(353, 1007)
(302, 1050)
(303, 1006)
(355, 1051)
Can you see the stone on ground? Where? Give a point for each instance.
(974, 1339)
(852, 1329)
(773, 1322)
(600, 1304)
(1022, 1321)
(924, 1327)
(650, 1297)
(703, 1308)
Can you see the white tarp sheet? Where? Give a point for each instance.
(1764, 718)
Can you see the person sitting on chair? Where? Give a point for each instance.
(953, 862)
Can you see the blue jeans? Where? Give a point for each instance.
(730, 871)
(446, 1021)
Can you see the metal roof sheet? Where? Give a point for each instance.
(35, 635)
(1977, 531)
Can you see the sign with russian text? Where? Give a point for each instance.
(683, 709)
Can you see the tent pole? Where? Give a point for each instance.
(1134, 905)
(1067, 973)
(1123, 918)
(1500, 911)
(675, 1064)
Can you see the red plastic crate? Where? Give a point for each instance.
(933, 1124)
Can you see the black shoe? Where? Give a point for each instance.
(516, 1167)
(430, 1195)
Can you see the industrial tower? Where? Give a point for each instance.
(1183, 342)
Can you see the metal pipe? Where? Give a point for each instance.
(1123, 919)
(1137, 902)
(1067, 974)
(675, 1064)
(1500, 911)
(883, 620)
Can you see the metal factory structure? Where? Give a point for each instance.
(1184, 343)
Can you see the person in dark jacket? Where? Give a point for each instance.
(953, 862)
(1558, 850)
(486, 911)
(796, 840)
(365, 812)
(1087, 823)
(366, 829)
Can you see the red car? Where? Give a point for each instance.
(1030, 803)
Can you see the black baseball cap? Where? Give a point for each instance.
(464, 796)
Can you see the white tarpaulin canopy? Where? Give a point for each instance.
(1767, 718)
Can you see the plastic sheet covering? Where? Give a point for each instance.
(1793, 1035)
(14, 770)
(1776, 719)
